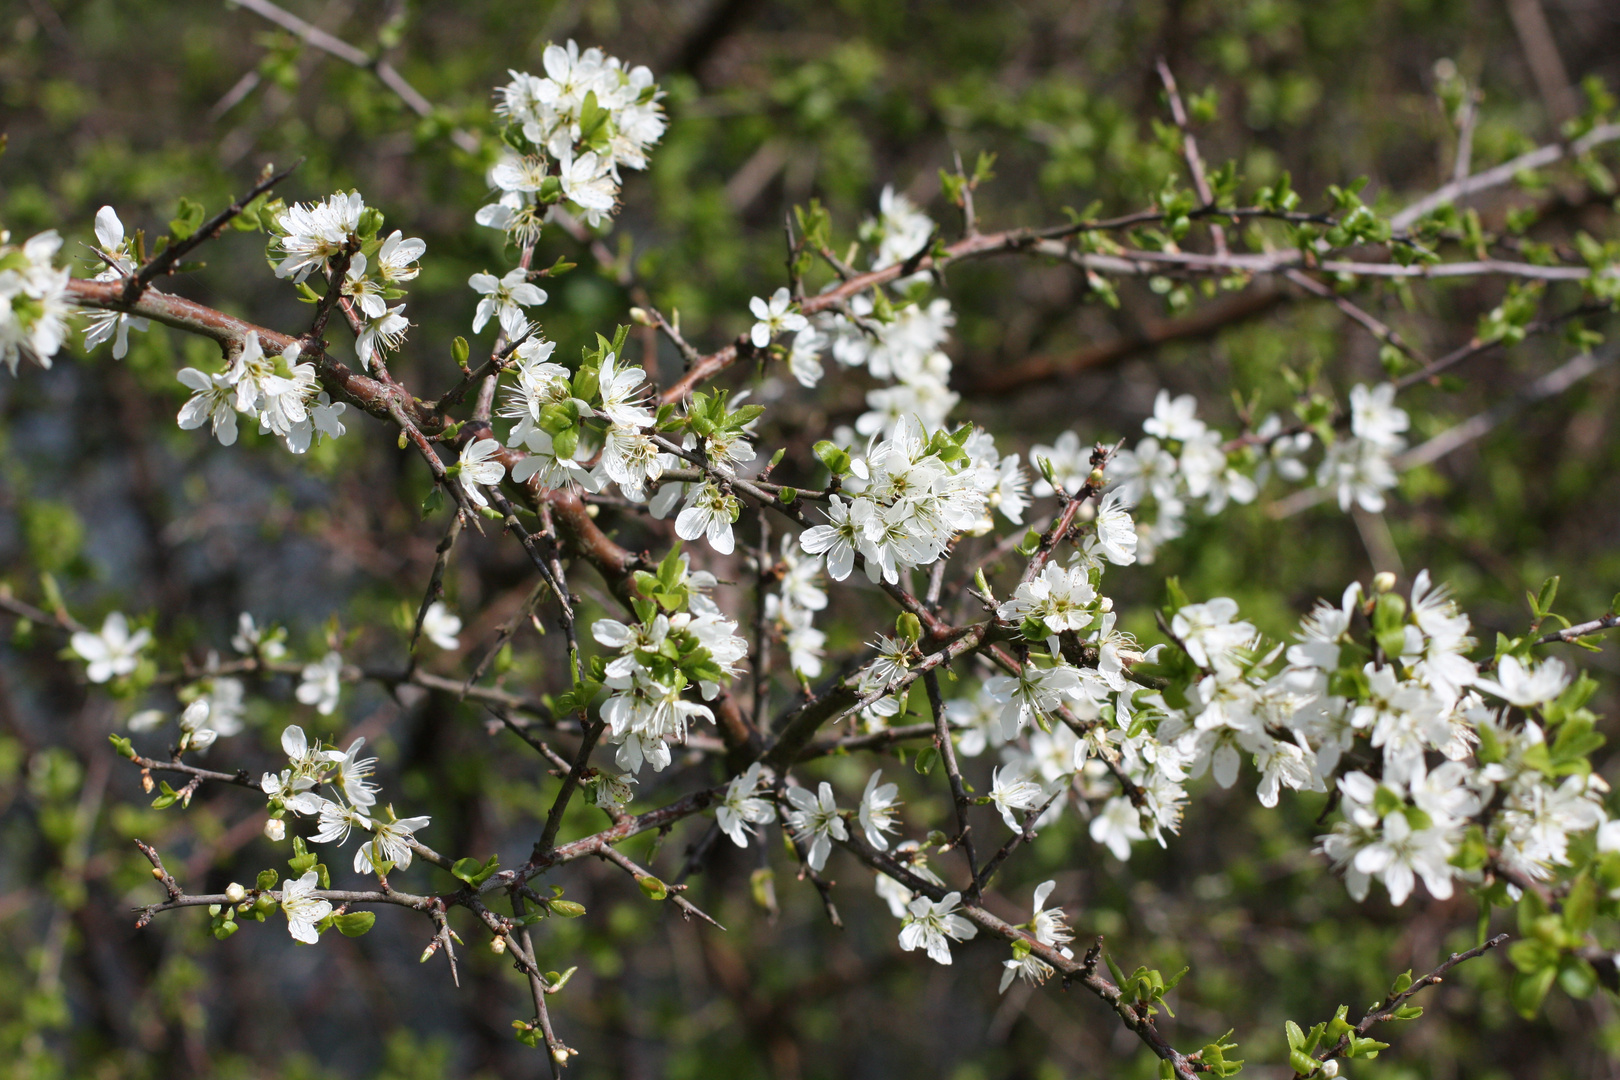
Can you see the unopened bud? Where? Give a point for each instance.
(560, 1055)
(235, 893)
(1330, 1068)
(1384, 581)
(640, 316)
(157, 872)
(275, 830)
(497, 946)
(1107, 604)
(1096, 478)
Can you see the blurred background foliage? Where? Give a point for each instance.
(772, 102)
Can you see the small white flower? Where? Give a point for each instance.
(841, 536)
(1011, 790)
(313, 233)
(302, 909)
(709, 513)
(1374, 417)
(504, 299)
(249, 639)
(352, 772)
(613, 793)
(1117, 827)
(392, 841)
(322, 683)
(1401, 852)
(112, 324)
(385, 332)
(213, 399)
(396, 255)
(1522, 685)
(741, 807)
(776, 316)
(804, 358)
(477, 469)
(336, 821)
(440, 625)
(934, 925)
(587, 182)
(1174, 418)
(815, 822)
(878, 812)
(112, 652)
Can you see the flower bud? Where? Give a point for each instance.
(497, 945)
(275, 830)
(1383, 582)
(1330, 1069)
(157, 872)
(235, 893)
(560, 1055)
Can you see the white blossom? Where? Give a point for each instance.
(742, 807)
(322, 683)
(476, 468)
(776, 316)
(440, 625)
(303, 910)
(1011, 790)
(815, 822)
(102, 325)
(504, 299)
(878, 814)
(933, 925)
(390, 843)
(1117, 826)
(112, 651)
(1526, 686)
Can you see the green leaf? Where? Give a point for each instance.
(908, 628)
(568, 909)
(473, 872)
(655, 889)
(267, 880)
(187, 218)
(835, 458)
(1529, 990)
(927, 758)
(354, 923)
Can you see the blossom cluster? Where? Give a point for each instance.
(791, 608)
(550, 405)
(680, 638)
(1182, 461)
(283, 395)
(33, 299)
(112, 325)
(310, 237)
(350, 804)
(909, 495)
(1454, 775)
(571, 130)
(898, 341)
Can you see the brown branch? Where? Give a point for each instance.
(1189, 149)
(1386, 1010)
(164, 262)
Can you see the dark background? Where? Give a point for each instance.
(771, 103)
